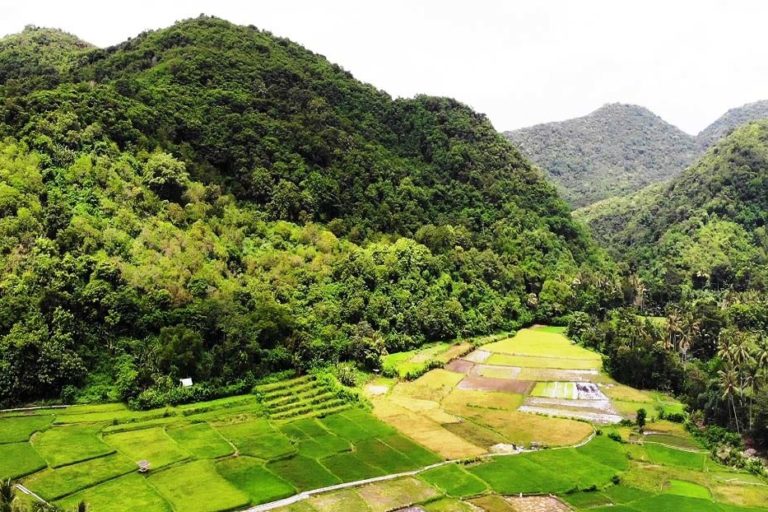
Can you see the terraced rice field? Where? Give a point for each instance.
(513, 391)
(226, 454)
(556, 476)
(406, 364)
(303, 397)
(297, 435)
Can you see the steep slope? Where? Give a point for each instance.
(703, 230)
(731, 120)
(615, 150)
(211, 201)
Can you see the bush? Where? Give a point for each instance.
(154, 398)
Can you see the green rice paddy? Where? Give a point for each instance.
(298, 435)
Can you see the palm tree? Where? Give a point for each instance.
(729, 383)
(674, 330)
(639, 287)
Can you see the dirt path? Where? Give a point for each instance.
(322, 490)
(30, 493)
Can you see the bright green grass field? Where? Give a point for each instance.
(586, 500)
(16, 429)
(356, 425)
(56, 483)
(302, 473)
(454, 481)
(314, 440)
(555, 390)
(624, 494)
(690, 489)
(537, 342)
(419, 455)
(606, 451)
(250, 476)
(197, 487)
(18, 459)
(257, 438)
(376, 453)
(62, 445)
(554, 470)
(310, 427)
(583, 471)
(672, 440)
(129, 492)
(151, 444)
(555, 363)
(660, 454)
(323, 446)
(551, 329)
(351, 466)
(674, 503)
(200, 440)
(512, 475)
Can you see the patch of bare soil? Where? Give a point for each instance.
(551, 374)
(460, 366)
(595, 417)
(538, 504)
(477, 383)
(496, 371)
(478, 356)
(589, 391)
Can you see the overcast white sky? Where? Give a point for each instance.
(519, 62)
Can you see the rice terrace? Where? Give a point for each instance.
(523, 423)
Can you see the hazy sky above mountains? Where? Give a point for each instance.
(520, 62)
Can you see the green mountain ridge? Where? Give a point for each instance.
(211, 201)
(614, 150)
(619, 149)
(705, 229)
(731, 120)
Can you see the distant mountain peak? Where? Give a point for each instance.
(616, 149)
(731, 120)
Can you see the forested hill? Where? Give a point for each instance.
(212, 201)
(704, 230)
(731, 120)
(615, 150)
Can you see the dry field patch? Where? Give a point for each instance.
(393, 494)
(538, 504)
(477, 383)
(523, 428)
(425, 430)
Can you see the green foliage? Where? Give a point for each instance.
(640, 418)
(454, 481)
(211, 201)
(695, 251)
(615, 150)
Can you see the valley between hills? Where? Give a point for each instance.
(234, 277)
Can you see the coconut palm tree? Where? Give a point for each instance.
(729, 384)
(674, 330)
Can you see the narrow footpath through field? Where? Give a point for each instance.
(358, 483)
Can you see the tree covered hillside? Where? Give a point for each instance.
(211, 201)
(696, 252)
(731, 120)
(612, 151)
(703, 230)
